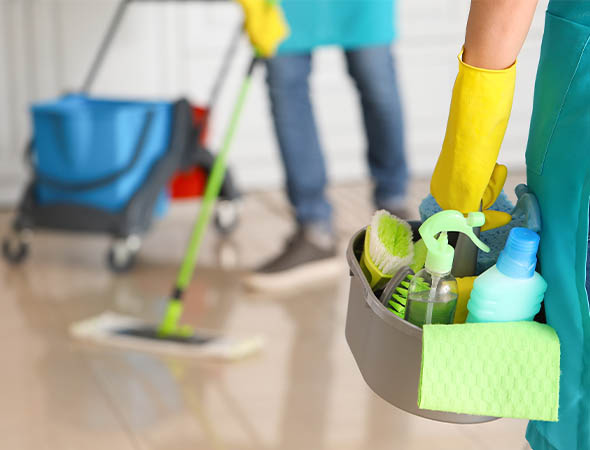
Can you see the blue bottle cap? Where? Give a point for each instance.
(519, 257)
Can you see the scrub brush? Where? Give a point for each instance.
(388, 247)
(395, 294)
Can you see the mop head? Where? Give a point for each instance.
(495, 239)
(127, 332)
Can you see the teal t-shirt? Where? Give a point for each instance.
(345, 23)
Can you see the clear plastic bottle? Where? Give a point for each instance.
(432, 294)
(432, 298)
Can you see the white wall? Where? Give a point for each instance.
(166, 50)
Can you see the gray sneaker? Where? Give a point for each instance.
(309, 256)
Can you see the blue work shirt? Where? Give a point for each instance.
(346, 23)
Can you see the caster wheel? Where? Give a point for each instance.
(226, 216)
(15, 249)
(122, 255)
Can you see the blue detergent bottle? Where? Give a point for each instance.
(511, 290)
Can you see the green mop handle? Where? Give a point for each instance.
(215, 180)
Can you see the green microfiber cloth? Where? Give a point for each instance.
(491, 369)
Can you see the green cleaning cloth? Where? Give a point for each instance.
(491, 369)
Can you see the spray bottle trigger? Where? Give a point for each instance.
(476, 219)
(477, 241)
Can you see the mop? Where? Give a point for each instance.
(169, 336)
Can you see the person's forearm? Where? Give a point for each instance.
(496, 30)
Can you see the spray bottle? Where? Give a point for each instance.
(432, 294)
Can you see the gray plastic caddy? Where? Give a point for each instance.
(387, 349)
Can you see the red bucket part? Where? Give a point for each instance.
(188, 184)
(191, 183)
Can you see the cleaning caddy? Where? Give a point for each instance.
(104, 165)
(422, 358)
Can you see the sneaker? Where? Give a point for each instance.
(309, 256)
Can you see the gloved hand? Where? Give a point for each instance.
(466, 174)
(494, 219)
(265, 25)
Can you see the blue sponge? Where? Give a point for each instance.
(495, 239)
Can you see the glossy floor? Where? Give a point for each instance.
(303, 391)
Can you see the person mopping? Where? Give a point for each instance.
(365, 31)
(558, 171)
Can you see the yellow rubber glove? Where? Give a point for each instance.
(494, 219)
(265, 25)
(466, 174)
(464, 287)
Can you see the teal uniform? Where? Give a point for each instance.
(558, 172)
(345, 23)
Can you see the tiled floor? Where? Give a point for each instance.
(302, 392)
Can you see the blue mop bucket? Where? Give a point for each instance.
(97, 152)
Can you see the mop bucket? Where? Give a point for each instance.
(387, 349)
(105, 166)
(97, 152)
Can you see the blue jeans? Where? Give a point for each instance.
(373, 70)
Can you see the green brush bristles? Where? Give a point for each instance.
(390, 242)
(398, 301)
(395, 235)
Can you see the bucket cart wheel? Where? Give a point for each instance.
(122, 255)
(15, 248)
(227, 216)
